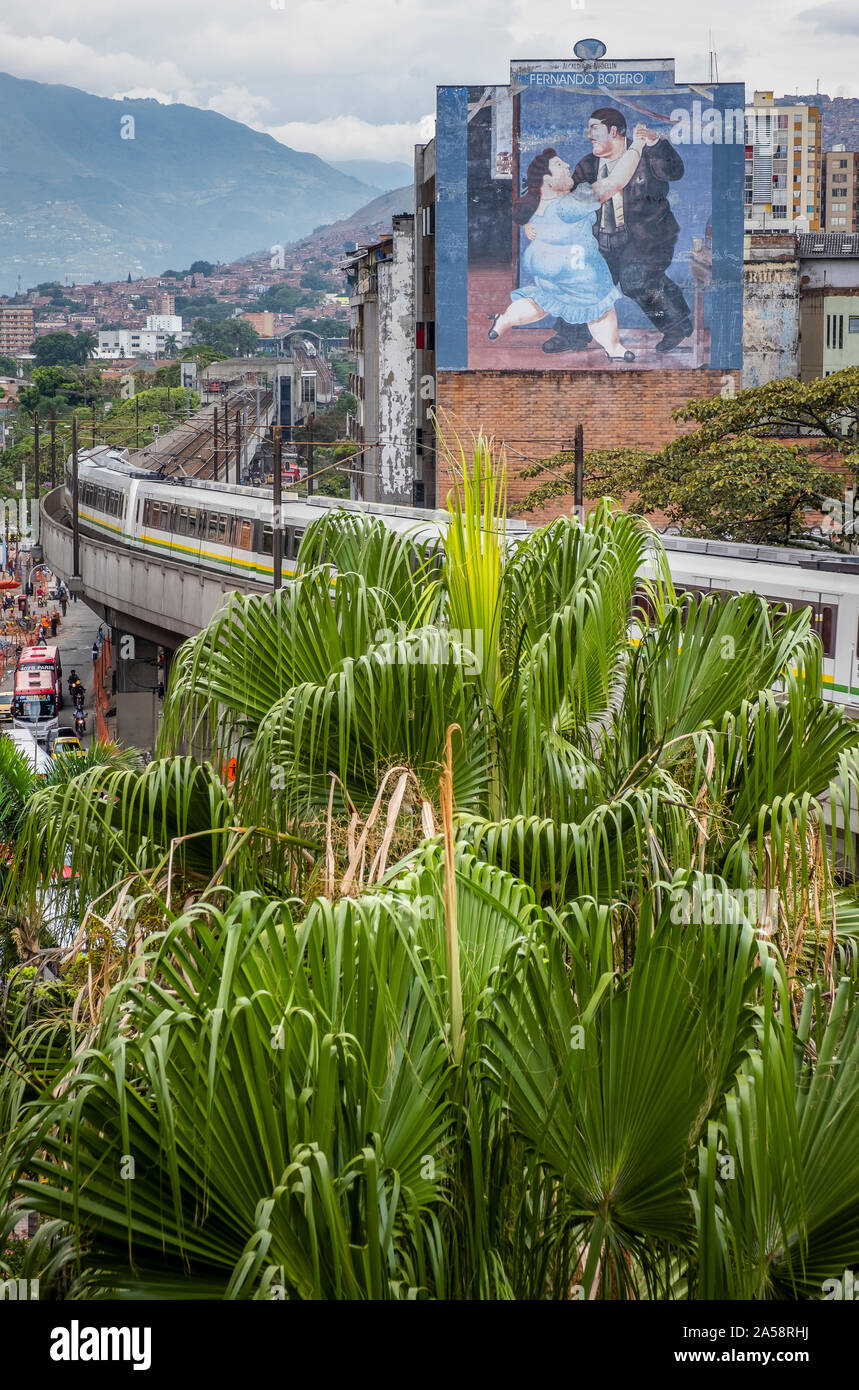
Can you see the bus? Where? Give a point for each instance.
(36, 701)
(44, 658)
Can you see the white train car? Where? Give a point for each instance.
(216, 526)
(228, 529)
(825, 582)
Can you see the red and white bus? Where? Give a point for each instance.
(38, 696)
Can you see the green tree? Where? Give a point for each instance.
(8, 366)
(202, 354)
(55, 349)
(318, 280)
(282, 299)
(234, 337)
(734, 476)
(87, 343)
(325, 327)
(168, 376)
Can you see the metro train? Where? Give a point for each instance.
(225, 528)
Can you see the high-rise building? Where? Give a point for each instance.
(784, 165)
(840, 190)
(17, 329)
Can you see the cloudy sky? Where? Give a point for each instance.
(351, 79)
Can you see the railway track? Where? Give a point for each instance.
(192, 451)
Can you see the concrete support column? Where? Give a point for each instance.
(137, 675)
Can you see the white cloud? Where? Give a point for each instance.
(239, 104)
(77, 64)
(352, 80)
(348, 137)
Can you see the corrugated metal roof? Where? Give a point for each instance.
(828, 244)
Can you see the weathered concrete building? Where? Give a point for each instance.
(771, 307)
(382, 301)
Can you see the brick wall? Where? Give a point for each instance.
(535, 414)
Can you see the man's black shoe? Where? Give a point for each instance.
(674, 336)
(574, 339)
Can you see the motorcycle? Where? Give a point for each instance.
(79, 697)
(80, 722)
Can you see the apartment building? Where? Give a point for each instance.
(840, 190)
(140, 342)
(17, 329)
(784, 165)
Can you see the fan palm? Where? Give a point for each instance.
(354, 1056)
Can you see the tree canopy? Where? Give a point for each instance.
(56, 348)
(234, 337)
(735, 476)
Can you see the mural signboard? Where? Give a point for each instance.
(590, 214)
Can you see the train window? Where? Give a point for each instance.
(147, 512)
(243, 535)
(213, 526)
(196, 523)
(182, 521)
(297, 533)
(267, 540)
(827, 629)
(223, 529)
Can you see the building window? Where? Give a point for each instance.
(308, 389)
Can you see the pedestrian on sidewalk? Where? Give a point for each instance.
(94, 652)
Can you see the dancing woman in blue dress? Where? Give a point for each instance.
(568, 277)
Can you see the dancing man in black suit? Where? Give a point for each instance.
(636, 232)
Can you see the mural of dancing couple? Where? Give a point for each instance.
(578, 265)
(580, 227)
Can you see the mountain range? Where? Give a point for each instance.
(393, 174)
(360, 228)
(94, 189)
